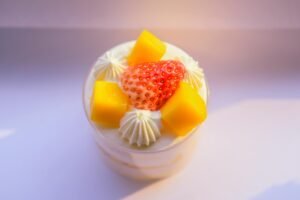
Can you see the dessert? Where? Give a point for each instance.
(146, 100)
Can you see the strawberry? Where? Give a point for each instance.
(149, 85)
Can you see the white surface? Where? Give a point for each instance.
(246, 149)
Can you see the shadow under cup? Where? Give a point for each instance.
(141, 164)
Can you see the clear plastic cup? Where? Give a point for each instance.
(141, 164)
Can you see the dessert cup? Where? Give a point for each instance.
(159, 162)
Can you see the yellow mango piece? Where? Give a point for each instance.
(183, 111)
(108, 105)
(147, 48)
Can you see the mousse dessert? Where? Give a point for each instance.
(146, 100)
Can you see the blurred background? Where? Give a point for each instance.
(249, 51)
(134, 14)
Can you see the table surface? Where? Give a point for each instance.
(250, 143)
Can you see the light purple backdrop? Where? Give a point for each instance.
(151, 14)
(250, 144)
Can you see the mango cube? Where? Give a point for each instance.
(147, 48)
(184, 110)
(108, 104)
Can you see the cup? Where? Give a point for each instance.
(141, 164)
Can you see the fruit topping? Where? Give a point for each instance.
(150, 85)
(108, 104)
(183, 111)
(147, 48)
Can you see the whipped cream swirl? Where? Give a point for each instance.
(110, 66)
(140, 127)
(194, 74)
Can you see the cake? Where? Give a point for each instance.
(146, 100)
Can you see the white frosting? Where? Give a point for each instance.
(140, 127)
(110, 66)
(194, 74)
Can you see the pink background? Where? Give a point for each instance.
(192, 14)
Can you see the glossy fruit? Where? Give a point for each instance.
(184, 110)
(108, 104)
(147, 48)
(150, 85)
